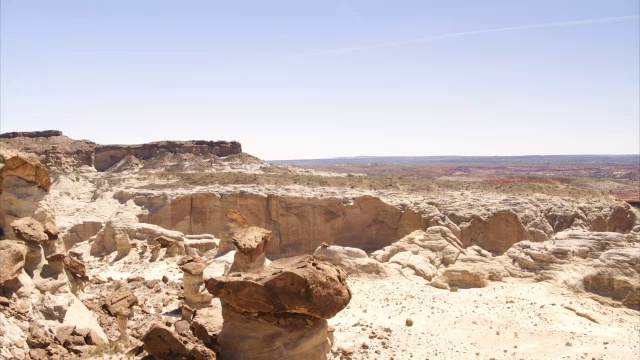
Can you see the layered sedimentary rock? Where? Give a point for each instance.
(31, 134)
(108, 155)
(300, 224)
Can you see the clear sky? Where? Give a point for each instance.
(310, 79)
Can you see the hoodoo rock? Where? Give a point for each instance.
(277, 311)
(250, 244)
(196, 295)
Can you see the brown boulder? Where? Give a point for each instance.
(29, 170)
(162, 343)
(302, 285)
(120, 301)
(75, 266)
(12, 258)
(207, 325)
(28, 229)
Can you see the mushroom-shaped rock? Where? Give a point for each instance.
(250, 244)
(302, 285)
(196, 296)
(29, 170)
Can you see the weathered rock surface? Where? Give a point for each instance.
(616, 275)
(497, 233)
(31, 134)
(353, 261)
(424, 252)
(302, 285)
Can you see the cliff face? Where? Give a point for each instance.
(59, 153)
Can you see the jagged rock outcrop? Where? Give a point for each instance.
(473, 269)
(28, 170)
(250, 244)
(299, 225)
(108, 155)
(81, 232)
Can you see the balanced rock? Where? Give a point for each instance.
(250, 244)
(302, 285)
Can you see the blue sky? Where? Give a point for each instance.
(303, 79)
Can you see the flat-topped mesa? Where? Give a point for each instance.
(31, 134)
(108, 155)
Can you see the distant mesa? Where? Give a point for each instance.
(61, 152)
(31, 134)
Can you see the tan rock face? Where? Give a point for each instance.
(497, 233)
(299, 225)
(302, 285)
(616, 275)
(28, 170)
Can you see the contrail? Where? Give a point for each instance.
(466, 33)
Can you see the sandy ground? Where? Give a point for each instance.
(515, 320)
